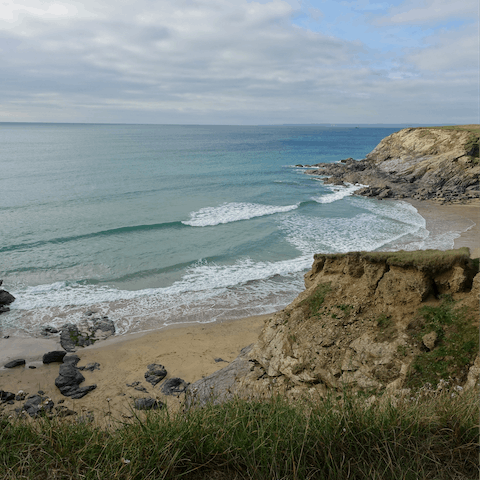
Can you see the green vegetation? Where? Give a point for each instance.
(332, 439)
(346, 309)
(457, 337)
(315, 301)
(388, 329)
(471, 147)
(459, 128)
(421, 259)
(384, 321)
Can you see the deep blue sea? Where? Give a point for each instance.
(158, 224)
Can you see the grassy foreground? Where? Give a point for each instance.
(430, 436)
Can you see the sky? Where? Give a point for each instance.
(240, 62)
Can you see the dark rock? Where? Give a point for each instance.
(15, 363)
(48, 330)
(174, 386)
(148, 404)
(71, 359)
(137, 386)
(41, 392)
(92, 330)
(6, 336)
(54, 356)
(32, 367)
(91, 367)
(36, 405)
(70, 338)
(6, 396)
(155, 373)
(4, 309)
(217, 360)
(6, 298)
(89, 313)
(64, 411)
(20, 396)
(68, 382)
(134, 384)
(105, 325)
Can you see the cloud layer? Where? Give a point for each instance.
(223, 62)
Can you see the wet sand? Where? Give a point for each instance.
(454, 217)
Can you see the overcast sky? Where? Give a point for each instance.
(239, 61)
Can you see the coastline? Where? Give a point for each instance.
(188, 351)
(462, 218)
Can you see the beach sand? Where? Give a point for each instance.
(454, 217)
(187, 351)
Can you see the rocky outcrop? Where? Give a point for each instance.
(422, 163)
(89, 331)
(69, 379)
(6, 298)
(355, 326)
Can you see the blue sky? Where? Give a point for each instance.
(241, 62)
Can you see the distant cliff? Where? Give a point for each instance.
(366, 321)
(436, 163)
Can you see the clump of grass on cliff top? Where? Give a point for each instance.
(335, 438)
(430, 259)
(456, 347)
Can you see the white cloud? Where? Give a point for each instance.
(428, 11)
(205, 61)
(456, 51)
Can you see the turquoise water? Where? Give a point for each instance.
(157, 224)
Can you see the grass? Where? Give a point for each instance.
(248, 439)
(457, 337)
(315, 301)
(475, 129)
(420, 259)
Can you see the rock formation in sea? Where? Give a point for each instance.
(434, 163)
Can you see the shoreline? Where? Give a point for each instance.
(187, 350)
(461, 215)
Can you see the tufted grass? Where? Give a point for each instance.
(339, 437)
(420, 259)
(456, 346)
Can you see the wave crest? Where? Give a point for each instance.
(233, 212)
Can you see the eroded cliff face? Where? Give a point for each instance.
(356, 325)
(420, 163)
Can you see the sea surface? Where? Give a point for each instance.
(160, 224)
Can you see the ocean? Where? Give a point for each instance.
(160, 224)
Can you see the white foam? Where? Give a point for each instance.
(233, 212)
(399, 211)
(339, 192)
(203, 276)
(365, 231)
(206, 292)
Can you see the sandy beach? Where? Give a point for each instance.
(464, 218)
(187, 351)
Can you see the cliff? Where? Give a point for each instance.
(439, 163)
(366, 321)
